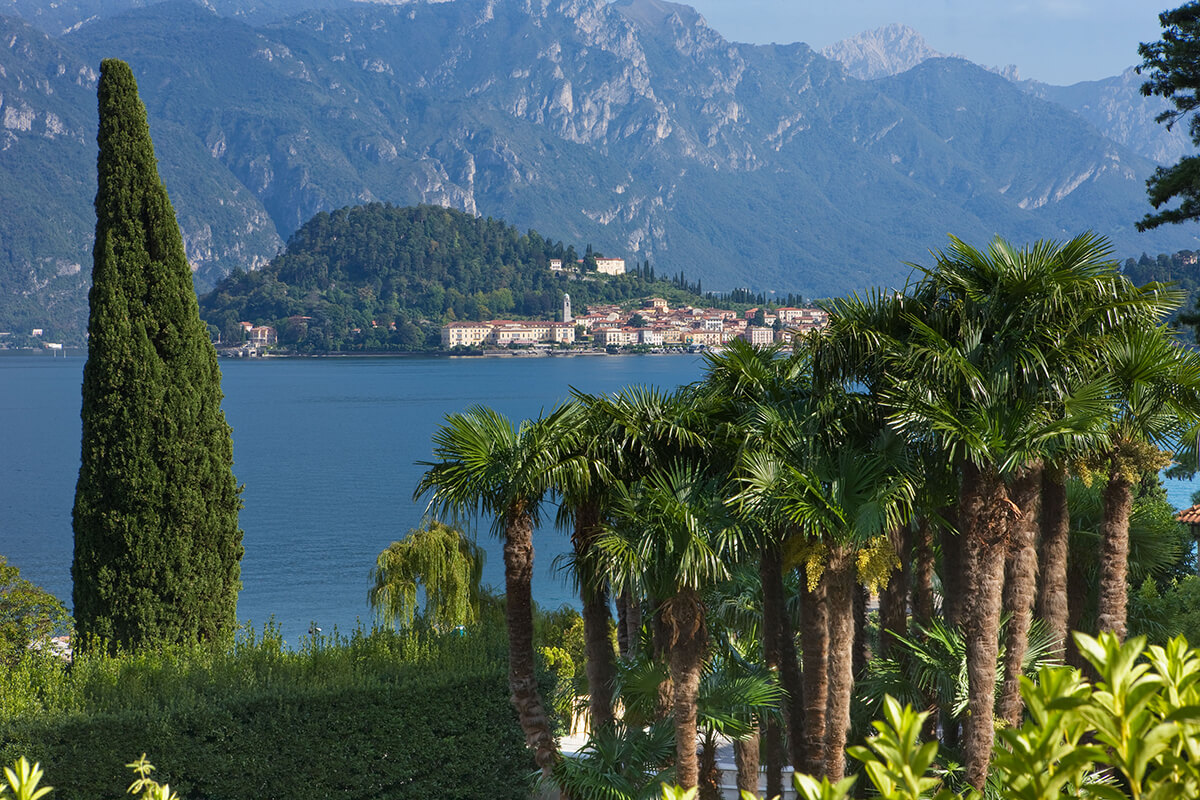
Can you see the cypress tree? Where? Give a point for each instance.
(157, 543)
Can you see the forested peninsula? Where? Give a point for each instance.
(379, 277)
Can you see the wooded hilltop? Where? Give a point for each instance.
(379, 277)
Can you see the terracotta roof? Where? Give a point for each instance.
(1189, 516)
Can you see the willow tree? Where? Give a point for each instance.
(157, 544)
(437, 560)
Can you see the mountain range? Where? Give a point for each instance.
(632, 125)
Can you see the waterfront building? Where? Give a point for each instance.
(758, 336)
(465, 334)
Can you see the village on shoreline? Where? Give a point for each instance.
(606, 329)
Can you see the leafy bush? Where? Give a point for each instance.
(1135, 733)
(383, 715)
(28, 615)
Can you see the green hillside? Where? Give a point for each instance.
(380, 277)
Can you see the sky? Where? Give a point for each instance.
(1054, 41)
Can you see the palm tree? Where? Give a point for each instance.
(1156, 399)
(835, 483)
(486, 465)
(436, 559)
(670, 539)
(748, 379)
(586, 477)
(983, 350)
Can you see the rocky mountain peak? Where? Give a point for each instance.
(884, 51)
(656, 14)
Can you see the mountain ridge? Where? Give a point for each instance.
(635, 126)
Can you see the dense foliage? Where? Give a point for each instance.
(379, 277)
(29, 615)
(157, 543)
(381, 715)
(1171, 67)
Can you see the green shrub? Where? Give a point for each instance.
(1134, 734)
(383, 716)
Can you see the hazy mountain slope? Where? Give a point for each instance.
(47, 135)
(47, 183)
(56, 17)
(1030, 152)
(1116, 107)
(631, 125)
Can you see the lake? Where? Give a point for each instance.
(326, 450)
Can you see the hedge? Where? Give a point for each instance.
(341, 720)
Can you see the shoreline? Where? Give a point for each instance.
(447, 354)
(81, 352)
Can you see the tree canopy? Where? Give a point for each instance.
(1173, 66)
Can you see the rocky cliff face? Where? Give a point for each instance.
(631, 125)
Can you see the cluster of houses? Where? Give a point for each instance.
(655, 325)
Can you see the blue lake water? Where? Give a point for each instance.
(326, 450)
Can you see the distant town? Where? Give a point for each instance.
(653, 326)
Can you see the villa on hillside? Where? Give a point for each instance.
(605, 266)
(610, 266)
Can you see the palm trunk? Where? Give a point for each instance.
(954, 589)
(985, 521)
(623, 623)
(893, 598)
(1114, 554)
(814, 649)
(922, 604)
(518, 585)
(633, 621)
(862, 645)
(922, 581)
(686, 616)
(1078, 605)
(953, 600)
(776, 754)
(840, 661)
(745, 755)
(770, 572)
(779, 650)
(710, 776)
(601, 668)
(1020, 587)
(1056, 528)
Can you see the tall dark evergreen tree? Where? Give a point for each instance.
(1171, 64)
(157, 544)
